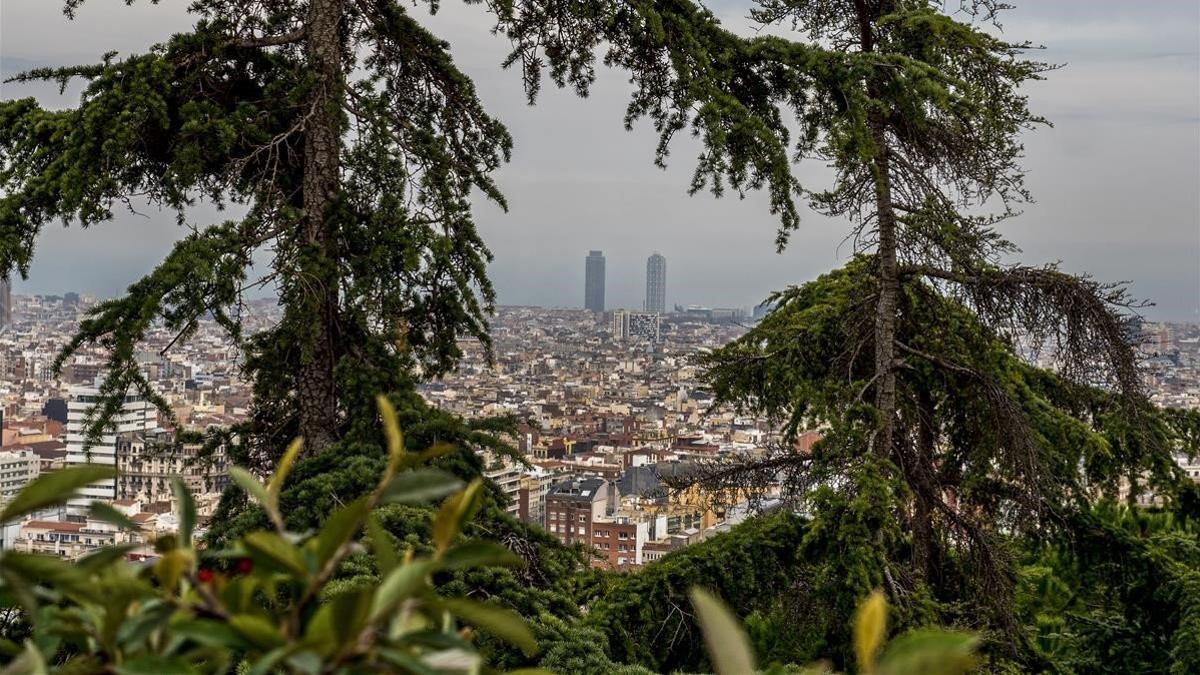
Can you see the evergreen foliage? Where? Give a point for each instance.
(353, 145)
(1004, 453)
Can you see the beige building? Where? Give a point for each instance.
(147, 461)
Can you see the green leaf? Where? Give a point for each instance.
(107, 513)
(386, 557)
(339, 528)
(391, 428)
(257, 630)
(54, 488)
(728, 647)
(171, 567)
(503, 623)
(210, 634)
(54, 572)
(419, 487)
(480, 554)
(454, 511)
(410, 664)
(30, 662)
(105, 557)
(151, 664)
(870, 625)
(269, 660)
(250, 484)
(187, 511)
(275, 485)
(402, 583)
(9, 648)
(930, 652)
(338, 621)
(271, 549)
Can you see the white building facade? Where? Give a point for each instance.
(137, 415)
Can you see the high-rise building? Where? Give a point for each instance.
(593, 288)
(5, 303)
(656, 284)
(137, 415)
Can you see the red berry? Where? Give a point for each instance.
(204, 576)
(245, 566)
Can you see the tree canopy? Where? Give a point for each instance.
(354, 146)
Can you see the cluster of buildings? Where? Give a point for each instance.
(45, 418)
(1171, 360)
(609, 410)
(611, 405)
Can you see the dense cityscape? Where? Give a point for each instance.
(606, 404)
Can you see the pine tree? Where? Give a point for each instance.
(354, 146)
(940, 443)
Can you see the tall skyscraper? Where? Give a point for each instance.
(593, 288)
(5, 303)
(656, 284)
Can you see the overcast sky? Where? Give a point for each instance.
(1117, 180)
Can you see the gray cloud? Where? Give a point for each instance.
(1117, 179)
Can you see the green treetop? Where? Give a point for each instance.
(354, 146)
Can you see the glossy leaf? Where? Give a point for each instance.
(728, 647)
(270, 548)
(386, 557)
(107, 513)
(187, 510)
(391, 428)
(54, 488)
(929, 652)
(503, 623)
(339, 528)
(257, 630)
(419, 486)
(454, 511)
(403, 582)
(251, 485)
(275, 485)
(870, 625)
(480, 554)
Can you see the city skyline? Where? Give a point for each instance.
(1114, 179)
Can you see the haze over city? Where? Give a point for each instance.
(1114, 180)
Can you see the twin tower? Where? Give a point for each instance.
(656, 283)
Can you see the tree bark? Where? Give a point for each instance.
(889, 289)
(316, 386)
(888, 271)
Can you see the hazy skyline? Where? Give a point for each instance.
(1117, 179)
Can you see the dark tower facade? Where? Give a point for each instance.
(5, 303)
(656, 284)
(593, 286)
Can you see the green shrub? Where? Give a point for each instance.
(265, 603)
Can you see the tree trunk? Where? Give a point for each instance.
(888, 273)
(889, 288)
(322, 183)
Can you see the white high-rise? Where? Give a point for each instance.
(137, 414)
